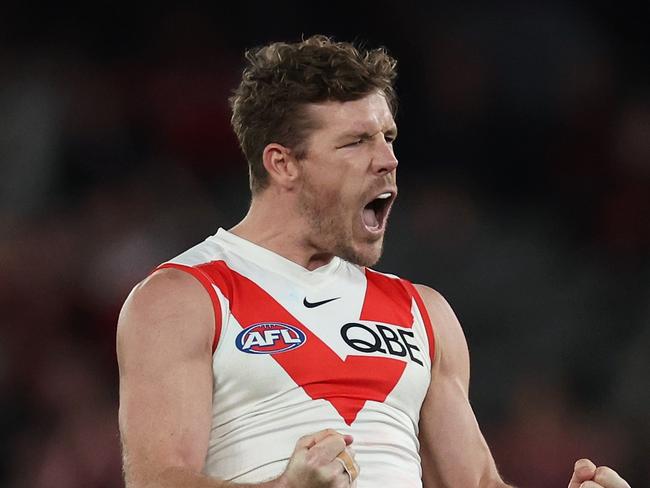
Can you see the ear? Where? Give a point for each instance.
(281, 165)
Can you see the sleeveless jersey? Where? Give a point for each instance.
(298, 351)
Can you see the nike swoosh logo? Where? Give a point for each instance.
(317, 304)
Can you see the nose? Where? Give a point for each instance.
(384, 160)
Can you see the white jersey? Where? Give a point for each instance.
(298, 351)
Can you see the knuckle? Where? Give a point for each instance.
(304, 440)
(317, 450)
(340, 443)
(336, 435)
(332, 444)
(603, 473)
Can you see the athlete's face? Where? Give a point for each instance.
(348, 179)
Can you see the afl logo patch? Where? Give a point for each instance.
(269, 338)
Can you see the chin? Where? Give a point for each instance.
(365, 255)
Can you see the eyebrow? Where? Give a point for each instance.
(392, 132)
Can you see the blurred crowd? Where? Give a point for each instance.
(524, 198)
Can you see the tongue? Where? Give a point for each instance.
(370, 218)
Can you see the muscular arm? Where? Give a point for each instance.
(164, 338)
(453, 450)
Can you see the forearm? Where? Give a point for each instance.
(483, 484)
(178, 477)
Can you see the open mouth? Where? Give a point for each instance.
(375, 213)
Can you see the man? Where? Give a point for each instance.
(262, 355)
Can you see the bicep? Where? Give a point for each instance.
(453, 450)
(452, 447)
(164, 353)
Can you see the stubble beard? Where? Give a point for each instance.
(328, 232)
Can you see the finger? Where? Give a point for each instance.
(353, 455)
(349, 464)
(309, 440)
(326, 449)
(342, 468)
(609, 478)
(583, 470)
(590, 484)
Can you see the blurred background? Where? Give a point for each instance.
(525, 199)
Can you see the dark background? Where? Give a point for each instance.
(525, 194)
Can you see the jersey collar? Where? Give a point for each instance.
(273, 261)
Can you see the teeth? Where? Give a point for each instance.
(384, 196)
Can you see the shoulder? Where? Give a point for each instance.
(167, 305)
(436, 304)
(450, 338)
(166, 291)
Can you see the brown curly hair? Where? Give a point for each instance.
(281, 78)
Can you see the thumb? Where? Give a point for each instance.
(583, 470)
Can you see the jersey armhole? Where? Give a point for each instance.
(207, 283)
(428, 327)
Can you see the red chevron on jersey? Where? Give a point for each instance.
(282, 369)
(347, 384)
(379, 303)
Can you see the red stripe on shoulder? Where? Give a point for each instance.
(425, 316)
(207, 283)
(221, 275)
(386, 300)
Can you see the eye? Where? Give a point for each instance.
(389, 139)
(358, 142)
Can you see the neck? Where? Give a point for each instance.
(274, 223)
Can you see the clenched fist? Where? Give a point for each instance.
(587, 475)
(314, 462)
